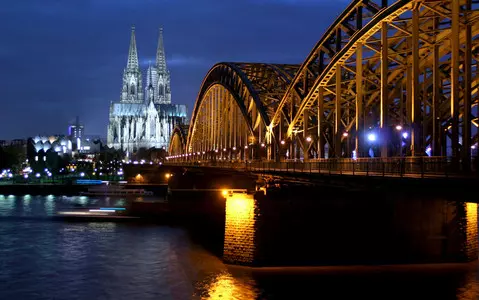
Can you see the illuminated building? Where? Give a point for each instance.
(76, 130)
(144, 118)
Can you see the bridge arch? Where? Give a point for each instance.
(177, 145)
(395, 78)
(233, 110)
(388, 78)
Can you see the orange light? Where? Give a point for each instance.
(239, 242)
(167, 175)
(225, 193)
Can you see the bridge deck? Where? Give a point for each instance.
(418, 168)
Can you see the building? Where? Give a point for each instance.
(76, 129)
(144, 118)
(74, 143)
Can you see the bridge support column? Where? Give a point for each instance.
(292, 147)
(321, 140)
(413, 89)
(337, 115)
(278, 149)
(384, 105)
(359, 102)
(455, 57)
(306, 143)
(466, 115)
(436, 96)
(240, 229)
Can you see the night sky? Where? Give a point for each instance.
(63, 58)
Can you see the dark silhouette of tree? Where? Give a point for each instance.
(108, 154)
(12, 157)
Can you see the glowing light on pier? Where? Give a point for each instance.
(239, 228)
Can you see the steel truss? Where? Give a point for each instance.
(178, 140)
(386, 79)
(233, 108)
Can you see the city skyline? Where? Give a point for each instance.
(72, 61)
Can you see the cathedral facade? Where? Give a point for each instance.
(144, 117)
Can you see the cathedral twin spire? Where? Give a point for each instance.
(157, 76)
(160, 54)
(133, 53)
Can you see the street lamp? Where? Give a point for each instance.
(308, 139)
(372, 137)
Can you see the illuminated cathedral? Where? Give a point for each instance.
(144, 117)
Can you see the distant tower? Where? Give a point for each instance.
(132, 90)
(76, 130)
(163, 84)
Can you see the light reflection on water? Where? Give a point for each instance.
(225, 286)
(42, 259)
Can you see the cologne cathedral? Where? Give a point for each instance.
(144, 117)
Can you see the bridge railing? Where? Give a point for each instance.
(391, 167)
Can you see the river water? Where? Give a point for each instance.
(45, 259)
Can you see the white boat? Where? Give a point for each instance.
(96, 214)
(115, 190)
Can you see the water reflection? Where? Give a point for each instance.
(26, 204)
(40, 259)
(225, 286)
(6, 204)
(49, 205)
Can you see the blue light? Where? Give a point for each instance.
(371, 137)
(88, 181)
(112, 208)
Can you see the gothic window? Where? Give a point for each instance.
(132, 90)
(160, 90)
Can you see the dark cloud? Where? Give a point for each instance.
(62, 58)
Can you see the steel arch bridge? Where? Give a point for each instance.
(388, 78)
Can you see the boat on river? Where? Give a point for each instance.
(115, 190)
(96, 214)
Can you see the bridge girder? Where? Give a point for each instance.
(178, 140)
(234, 106)
(391, 66)
(381, 70)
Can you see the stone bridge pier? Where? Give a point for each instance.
(300, 225)
(318, 226)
